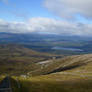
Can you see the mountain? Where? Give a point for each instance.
(69, 74)
(35, 71)
(35, 63)
(16, 59)
(65, 64)
(52, 43)
(27, 37)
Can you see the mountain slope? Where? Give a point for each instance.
(65, 64)
(15, 59)
(75, 79)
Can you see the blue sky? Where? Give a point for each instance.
(66, 17)
(18, 10)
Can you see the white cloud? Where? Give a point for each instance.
(46, 25)
(14, 27)
(69, 8)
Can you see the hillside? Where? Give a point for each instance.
(15, 59)
(68, 74)
(74, 74)
(63, 64)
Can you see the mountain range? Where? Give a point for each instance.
(51, 43)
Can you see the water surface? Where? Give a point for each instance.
(63, 48)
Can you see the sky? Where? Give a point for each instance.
(20, 10)
(65, 17)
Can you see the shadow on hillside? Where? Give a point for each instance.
(65, 68)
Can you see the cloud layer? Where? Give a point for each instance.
(70, 8)
(46, 25)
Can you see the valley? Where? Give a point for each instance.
(46, 63)
(67, 45)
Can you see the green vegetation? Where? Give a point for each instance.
(75, 79)
(17, 60)
(56, 83)
(33, 71)
(1, 77)
(65, 64)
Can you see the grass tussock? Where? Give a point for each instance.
(56, 83)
